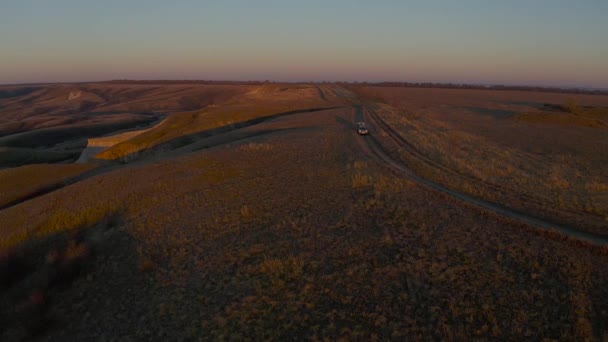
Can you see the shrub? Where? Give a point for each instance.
(359, 165)
(573, 107)
(360, 180)
(281, 271)
(64, 220)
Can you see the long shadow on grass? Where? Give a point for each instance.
(347, 124)
(209, 143)
(107, 166)
(10, 93)
(56, 186)
(43, 137)
(84, 285)
(194, 137)
(358, 117)
(493, 112)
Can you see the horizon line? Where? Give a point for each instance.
(236, 81)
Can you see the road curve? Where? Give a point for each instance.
(374, 146)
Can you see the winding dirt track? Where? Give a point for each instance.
(376, 149)
(372, 148)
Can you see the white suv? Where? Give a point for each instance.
(361, 128)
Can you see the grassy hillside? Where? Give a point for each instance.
(286, 229)
(570, 114)
(185, 127)
(463, 139)
(41, 117)
(17, 156)
(21, 182)
(80, 129)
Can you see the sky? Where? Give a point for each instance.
(531, 42)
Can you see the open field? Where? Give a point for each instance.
(21, 182)
(266, 216)
(184, 128)
(485, 143)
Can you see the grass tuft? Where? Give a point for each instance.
(361, 181)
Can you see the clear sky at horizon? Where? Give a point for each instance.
(533, 42)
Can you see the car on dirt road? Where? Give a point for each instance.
(362, 128)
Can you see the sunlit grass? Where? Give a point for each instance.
(280, 238)
(182, 124)
(549, 184)
(17, 183)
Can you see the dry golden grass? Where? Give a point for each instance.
(255, 104)
(570, 113)
(597, 186)
(33, 121)
(549, 170)
(570, 120)
(238, 241)
(254, 147)
(23, 229)
(360, 181)
(18, 183)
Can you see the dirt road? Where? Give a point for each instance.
(363, 113)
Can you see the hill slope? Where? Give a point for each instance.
(289, 227)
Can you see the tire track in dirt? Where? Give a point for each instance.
(421, 156)
(321, 94)
(374, 146)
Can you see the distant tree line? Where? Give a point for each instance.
(477, 86)
(379, 84)
(205, 82)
